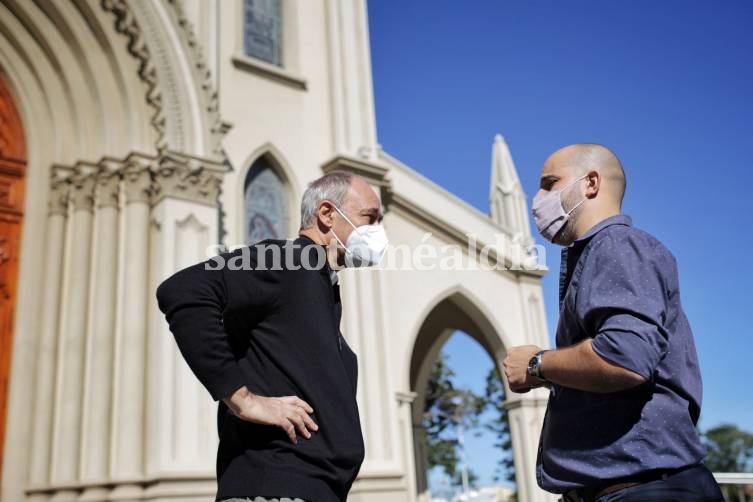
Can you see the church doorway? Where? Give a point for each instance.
(457, 312)
(12, 171)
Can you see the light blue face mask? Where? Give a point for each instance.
(548, 212)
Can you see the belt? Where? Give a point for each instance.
(591, 493)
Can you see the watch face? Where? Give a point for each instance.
(533, 365)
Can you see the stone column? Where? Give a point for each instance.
(44, 388)
(364, 328)
(130, 378)
(100, 348)
(526, 416)
(70, 374)
(182, 437)
(421, 465)
(350, 79)
(405, 402)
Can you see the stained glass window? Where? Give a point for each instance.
(262, 30)
(266, 209)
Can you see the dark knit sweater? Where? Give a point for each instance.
(277, 333)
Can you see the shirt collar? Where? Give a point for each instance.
(619, 219)
(326, 268)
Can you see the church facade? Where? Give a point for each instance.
(135, 136)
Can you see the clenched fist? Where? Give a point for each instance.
(516, 368)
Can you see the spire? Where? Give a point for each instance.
(507, 199)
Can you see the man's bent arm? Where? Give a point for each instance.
(192, 301)
(580, 367)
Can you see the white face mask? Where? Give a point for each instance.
(549, 214)
(365, 246)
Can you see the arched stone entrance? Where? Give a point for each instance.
(12, 191)
(456, 312)
(460, 311)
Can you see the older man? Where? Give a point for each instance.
(625, 383)
(259, 327)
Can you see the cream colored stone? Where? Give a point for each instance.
(161, 116)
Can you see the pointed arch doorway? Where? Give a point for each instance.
(12, 172)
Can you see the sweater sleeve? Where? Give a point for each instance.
(193, 300)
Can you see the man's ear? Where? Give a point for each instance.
(324, 214)
(593, 184)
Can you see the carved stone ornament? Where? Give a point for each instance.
(59, 189)
(108, 183)
(188, 178)
(137, 179)
(82, 186)
(126, 23)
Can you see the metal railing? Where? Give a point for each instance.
(734, 478)
(743, 481)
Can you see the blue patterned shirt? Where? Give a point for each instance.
(619, 286)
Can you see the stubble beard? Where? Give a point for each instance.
(567, 235)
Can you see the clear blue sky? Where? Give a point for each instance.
(668, 85)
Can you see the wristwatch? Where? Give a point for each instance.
(534, 366)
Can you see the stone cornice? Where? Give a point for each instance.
(187, 177)
(405, 397)
(513, 403)
(431, 223)
(146, 179)
(374, 173)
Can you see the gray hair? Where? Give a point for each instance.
(332, 186)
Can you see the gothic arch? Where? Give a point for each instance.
(476, 320)
(283, 169)
(455, 309)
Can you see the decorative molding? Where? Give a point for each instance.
(186, 477)
(108, 183)
(189, 178)
(170, 78)
(137, 178)
(270, 71)
(153, 59)
(429, 221)
(145, 178)
(82, 186)
(375, 174)
(405, 397)
(191, 222)
(218, 128)
(126, 24)
(531, 402)
(59, 189)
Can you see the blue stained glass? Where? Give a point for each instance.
(266, 209)
(262, 30)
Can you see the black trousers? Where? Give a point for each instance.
(695, 484)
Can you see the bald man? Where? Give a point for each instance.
(625, 386)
